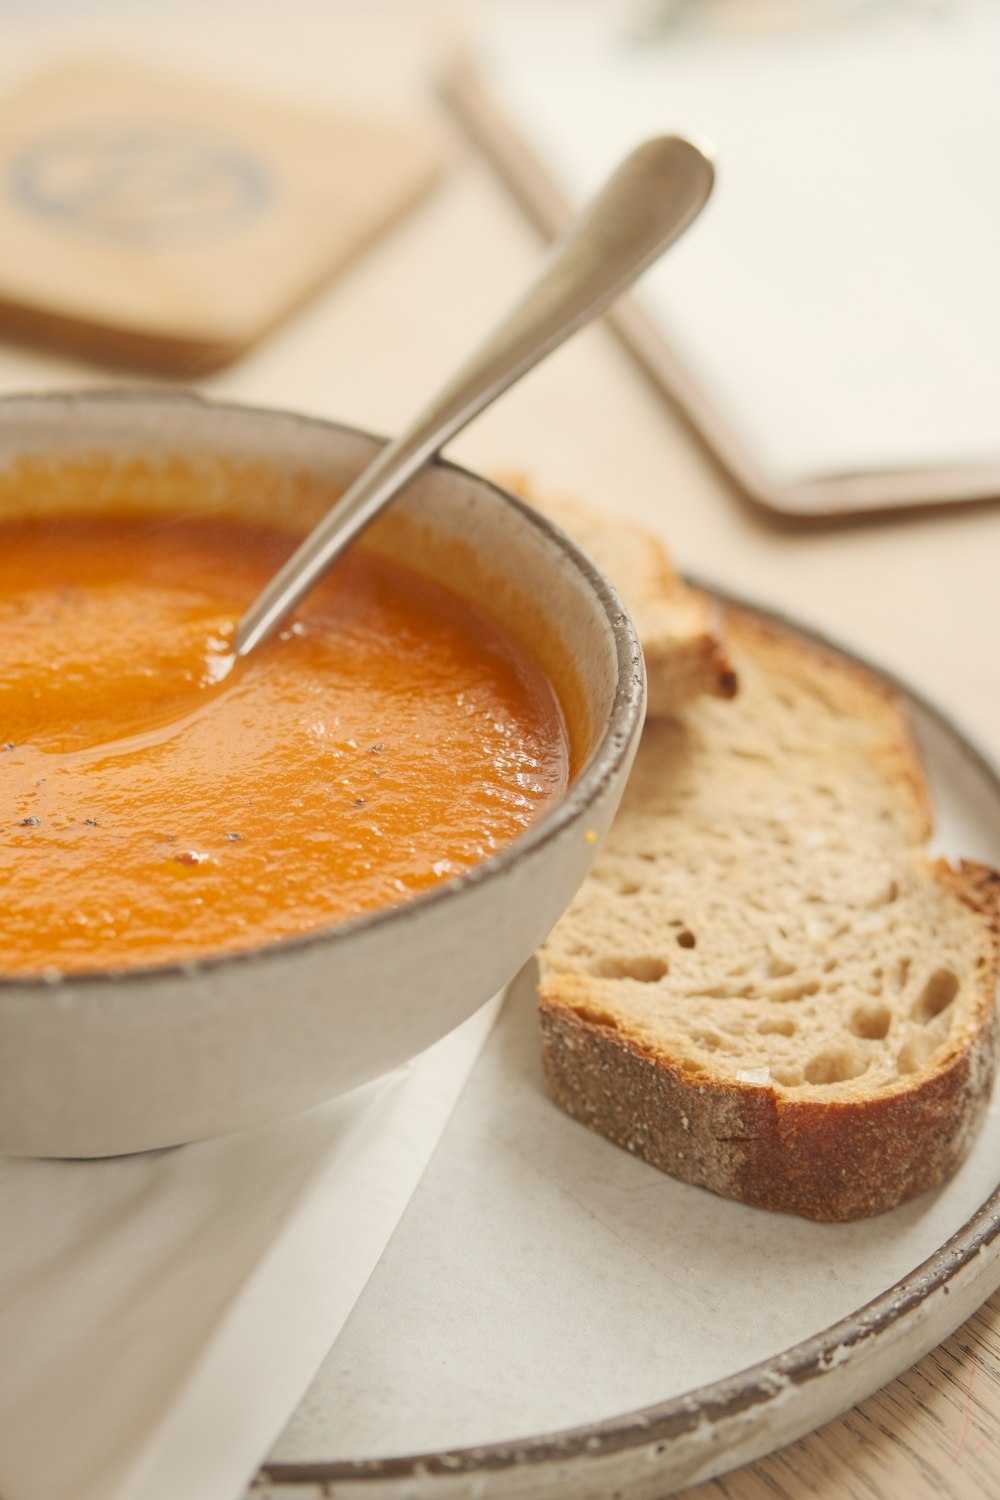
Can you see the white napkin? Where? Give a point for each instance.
(161, 1315)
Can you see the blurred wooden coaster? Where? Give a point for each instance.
(171, 224)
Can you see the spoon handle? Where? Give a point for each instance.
(642, 209)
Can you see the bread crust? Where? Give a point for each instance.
(826, 1159)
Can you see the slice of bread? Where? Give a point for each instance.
(679, 628)
(767, 987)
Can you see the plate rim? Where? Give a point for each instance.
(757, 1385)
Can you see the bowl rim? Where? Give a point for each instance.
(601, 765)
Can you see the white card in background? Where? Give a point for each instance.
(837, 304)
(161, 1315)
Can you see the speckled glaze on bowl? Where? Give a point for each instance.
(101, 1064)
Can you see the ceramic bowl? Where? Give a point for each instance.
(123, 1061)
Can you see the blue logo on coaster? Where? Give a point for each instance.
(142, 183)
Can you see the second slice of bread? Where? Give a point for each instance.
(679, 627)
(766, 987)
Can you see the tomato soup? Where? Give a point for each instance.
(161, 800)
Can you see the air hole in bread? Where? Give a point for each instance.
(903, 973)
(782, 1026)
(916, 1053)
(628, 887)
(936, 995)
(686, 939)
(779, 968)
(645, 967)
(598, 1017)
(835, 1065)
(871, 1022)
(799, 991)
(722, 992)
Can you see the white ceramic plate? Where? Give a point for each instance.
(555, 1318)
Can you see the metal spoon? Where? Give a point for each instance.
(648, 202)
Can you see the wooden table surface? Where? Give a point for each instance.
(918, 595)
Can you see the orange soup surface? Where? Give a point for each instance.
(160, 800)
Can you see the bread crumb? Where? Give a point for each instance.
(753, 1075)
